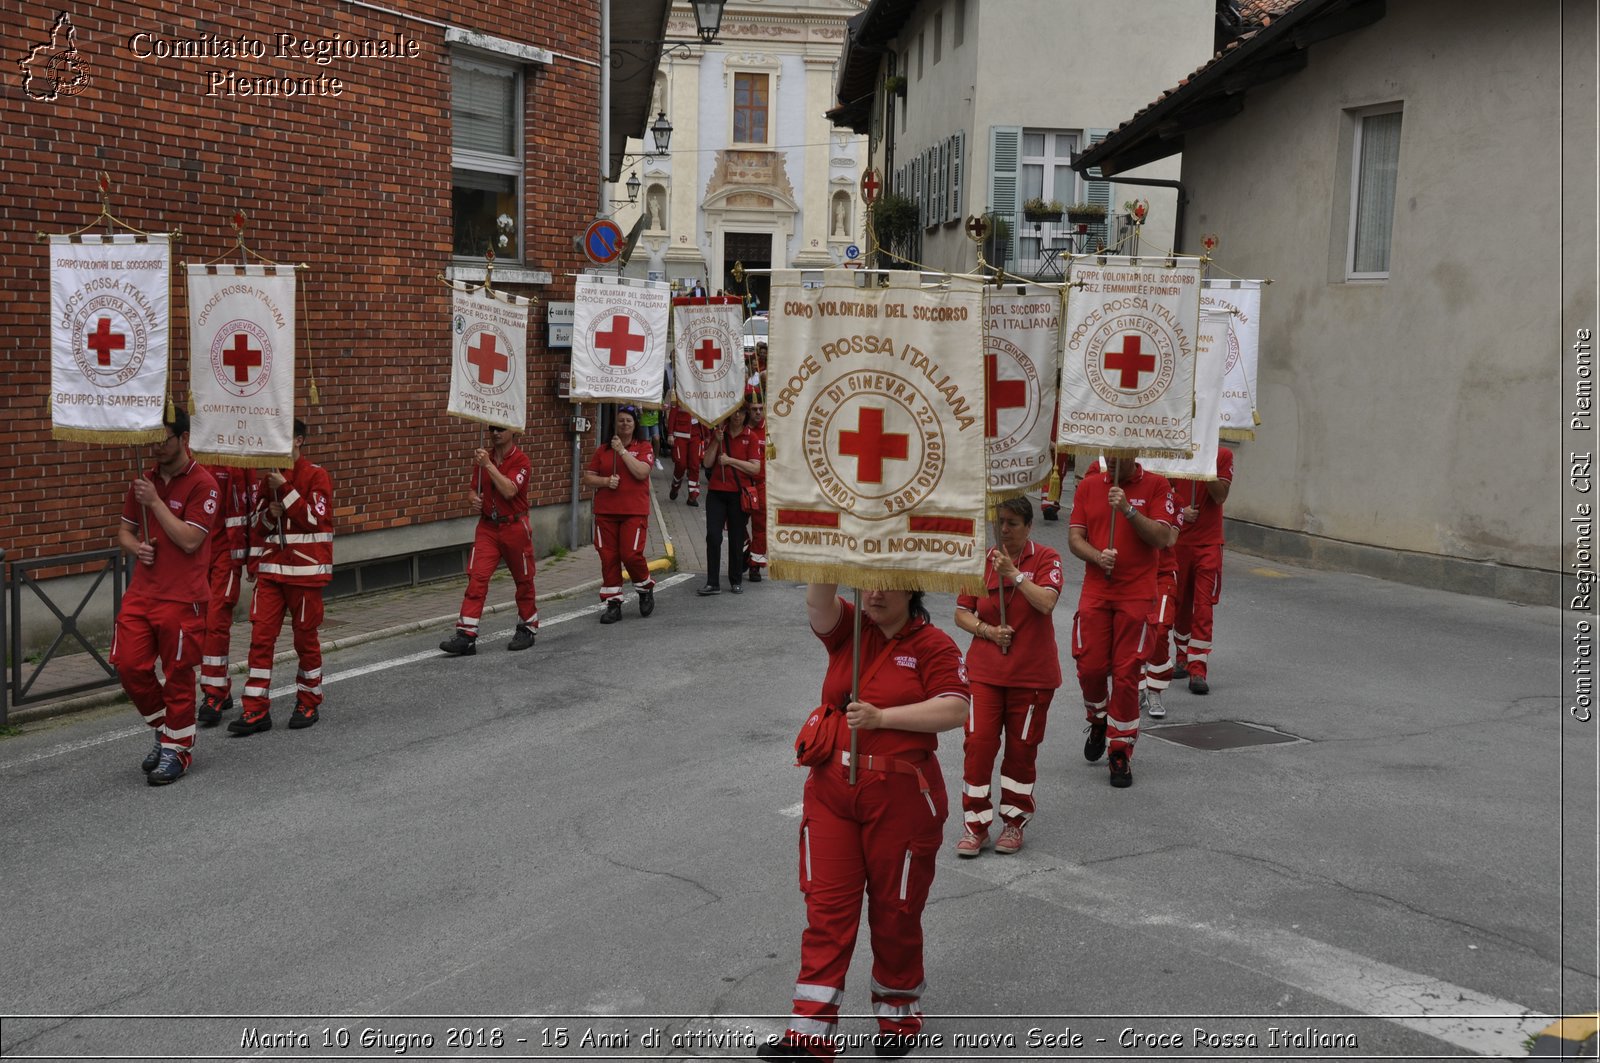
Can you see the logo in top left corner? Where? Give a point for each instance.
(55, 69)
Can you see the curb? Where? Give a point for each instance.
(1569, 1038)
(113, 695)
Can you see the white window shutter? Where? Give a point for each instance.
(1005, 147)
(958, 146)
(1099, 192)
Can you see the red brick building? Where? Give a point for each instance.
(381, 144)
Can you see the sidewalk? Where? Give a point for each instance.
(357, 619)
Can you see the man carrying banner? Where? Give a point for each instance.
(167, 516)
(230, 543)
(293, 528)
(499, 495)
(688, 440)
(1199, 583)
(620, 474)
(1131, 512)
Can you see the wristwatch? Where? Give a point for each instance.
(1017, 582)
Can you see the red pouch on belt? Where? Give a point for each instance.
(823, 732)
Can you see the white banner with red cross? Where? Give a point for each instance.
(489, 358)
(1242, 300)
(876, 458)
(1210, 352)
(708, 355)
(1021, 362)
(1127, 364)
(619, 339)
(109, 329)
(241, 364)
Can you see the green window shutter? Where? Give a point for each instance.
(1099, 193)
(1005, 148)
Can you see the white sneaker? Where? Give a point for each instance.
(1144, 699)
(1152, 704)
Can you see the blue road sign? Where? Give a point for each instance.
(852, 251)
(602, 241)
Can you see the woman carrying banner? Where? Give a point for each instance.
(733, 458)
(1014, 670)
(620, 474)
(879, 836)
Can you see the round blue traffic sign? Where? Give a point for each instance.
(852, 251)
(602, 241)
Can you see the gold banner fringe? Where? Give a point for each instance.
(191, 404)
(1237, 435)
(995, 498)
(316, 399)
(95, 435)
(242, 461)
(1095, 451)
(491, 424)
(873, 579)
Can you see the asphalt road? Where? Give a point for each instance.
(596, 839)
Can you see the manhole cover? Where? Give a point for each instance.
(1223, 734)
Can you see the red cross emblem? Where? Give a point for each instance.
(241, 358)
(1003, 394)
(1130, 362)
(621, 341)
(487, 359)
(102, 341)
(708, 354)
(870, 183)
(870, 445)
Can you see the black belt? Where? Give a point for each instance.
(495, 518)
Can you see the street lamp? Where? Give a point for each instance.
(633, 187)
(661, 132)
(707, 18)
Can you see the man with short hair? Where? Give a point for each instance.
(293, 529)
(499, 495)
(167, 515)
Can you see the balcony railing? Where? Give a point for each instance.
(1043, 248)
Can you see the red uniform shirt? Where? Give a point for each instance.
(516, 468)
(176, 576)
(1167, 556)
(682, 423)
(1033, 660)
(1134, 576)
(230, 534)
(303, 553)
(923, 664)
(745, 446)
(1207, 527)
(631, 498)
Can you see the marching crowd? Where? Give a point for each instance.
(875, 807)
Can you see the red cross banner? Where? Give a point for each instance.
(1242, 300)
(1211, 351)
(241, 364)
(876, 452)
(109, 329)
(1128, 350)
(708, 357)
(619, 339)
(489, 363)
(1021, 361)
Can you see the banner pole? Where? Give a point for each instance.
(1000, 587)
(855, 680)
(1111, 536)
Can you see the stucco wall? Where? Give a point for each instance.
(1421, 413)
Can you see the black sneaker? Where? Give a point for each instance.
(303, 716)
(708, 589)
(169, 769)
(736, 588)
(246, 726)
(459, 645)
(754, 576)
(694, 502)
(893, 1045)
(151, 759)
(521, 638)
(1051, 512)
(672, 495)
(1121, 770)
(1198, 684)
(613, 612)
(647, 601)
(1094, 747)
(212, 709)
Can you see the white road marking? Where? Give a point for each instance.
(350, 673)
(1463, 1017)
(793, 811)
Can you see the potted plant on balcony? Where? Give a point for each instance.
(894, 218)
(895, 83)
(1036, 209)
(1086, 213)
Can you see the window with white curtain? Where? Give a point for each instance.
(486, 158)
(1374, 176)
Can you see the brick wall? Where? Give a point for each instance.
(357, 186)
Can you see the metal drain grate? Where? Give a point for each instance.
(1223, 734)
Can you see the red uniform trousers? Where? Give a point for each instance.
(1158, 657)
(513, 541)
(148, 629)
(620, 540)
(1020, 712)
(880, 836)
(687, 454)
(225, 586)
(755, 547)
(1108, 642)
(267, 608)
(1199, 590)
